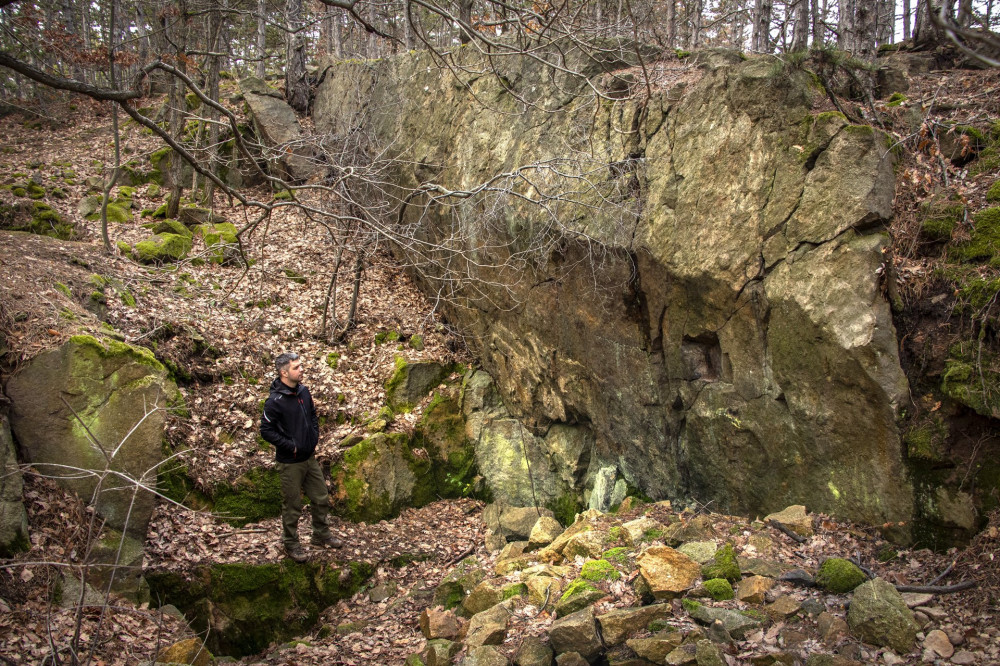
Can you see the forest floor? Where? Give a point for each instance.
(250, 316)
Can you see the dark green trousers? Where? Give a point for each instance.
(297, 478)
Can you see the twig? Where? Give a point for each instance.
(461, 556)
(943, 573)
(782, 528)
(938, 589)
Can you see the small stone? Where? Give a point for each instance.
(813, 606)
(486, 655)
(437, 623)
(668, 572)
(933, 612)
(544, 532)
(752, 590)
(636, 531)
(938, 641)
(963, 658)
(656, 648)
(618, 625)
(928, 656)
(682, 656)
(922, 620)
(914, 599)
(188, 651)
(831, 628)
(571, 659)
(891, 659)
(791, 638)
(701, 552)
(534, 651)
(795, 518)
(955, 637)
(717, 633)
(783, 607)
(708, 653)
(576, 632)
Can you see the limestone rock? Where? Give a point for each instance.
(619, 624)
(783, 607)
(514, 522)
(545, 530)
(588, 545)
(13, 517)
(752, 590)
(736, 623)
(484, 596)
(667, 572)
(534, 651)
(412, 382)
(708, 653)
(279, 131)
(579, 594)
(189, 651)
(109, 386)
(544, 592)
(794, 518)
(576, 632)
(459, 583)
(701, 552)
(657, 647)
(879, 616)
(937, 641)
(439, 652)
(435, 623)
(831, 628)
(488, 627)
(485, 655)
(642, 529)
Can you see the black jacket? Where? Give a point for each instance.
(290, 422)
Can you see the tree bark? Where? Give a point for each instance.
(296, 78)
(260, 70)
(762, 26)
(800, 29)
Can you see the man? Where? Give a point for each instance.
(291, 425)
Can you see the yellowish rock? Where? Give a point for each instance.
(752, 590)
(667, 572)
(794, 518)
(544, 532)
(189, 651)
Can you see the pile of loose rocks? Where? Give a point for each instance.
(649, 585)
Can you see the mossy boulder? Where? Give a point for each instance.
(599, 570)
(972, 378)
(411, 382)
(108, 386)
(163, 248)
(941, 214)
(36, 217)
(250, 498)
(719, 589)
(243, 608)
(839, 576)
(578, 595)
(169, 226)
(379, 477)
(459, 583)
(984, 242)
(878, 615)
(723, 565)
(221, 238)
(119, 208)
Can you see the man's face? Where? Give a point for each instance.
(294, 373)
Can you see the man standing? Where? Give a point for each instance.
(291, 425)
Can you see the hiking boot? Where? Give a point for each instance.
(296, 554)
(328, 541)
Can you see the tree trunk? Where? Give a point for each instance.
(847, 30)
(925, 33)
(465, 19)
(907, 14)
(671, 19)
(818, 29)
(800, 26)
(260, 70)
(296, 79)
(964, 13)
(762, 26)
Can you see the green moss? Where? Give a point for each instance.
(598, 570)
(19, 191)
(971, 379)
(416, 342)
(617, 555)
(514, 590)
(35, 191)
(565, 507)
(128, 300)
(839, 576)
(171, 227)
(283, 195)
(219, 234)
(249, 499)
(163, 248)
(896, 99)
(887, 554)
(719, 589)
(115, 348)
(295, 276)
(126, 251)
(652, 534)
(724, 565)
(332, 359)
(383, 337)
(690, 605)
(578, 586)
(984, 241)
(63, 289)
(173, 482)
(927, 441)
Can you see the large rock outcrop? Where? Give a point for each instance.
(90, 414)
(286, 147)
(691, 275)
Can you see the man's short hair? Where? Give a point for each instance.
(282, 362)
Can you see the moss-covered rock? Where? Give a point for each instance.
(719, 589)
(13, 517)
(459, 583)
(243, 608)
(578, 595)
(249, 499)
(599, 570)
(723, 565)
(839, 576)
(984, 242)
(972, 377)
(163, 248)
(168, 226)
(941, 214)
(109, 385)
(221, 238)
(413, 381)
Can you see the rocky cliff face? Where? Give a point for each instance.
(690, 273)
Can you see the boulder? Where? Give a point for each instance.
(412, 382)
(736, 623)
(107, 422)
(795, 518)
(773, 371)
(545, 530)
(878, 615)
(576, 632)
(642, 529)
(459, 583)
(620, 624)
(752, 590)
(484, 596)
(163, 248)
(488, 627)
(839, 576)
(701, 552)
(657, 647)
(667, 572)
(486, 655)
(439, 652)
(436, 623)
(13, 517)
(534, 651)
(286, 146)
(579, 594)
(243, 608)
